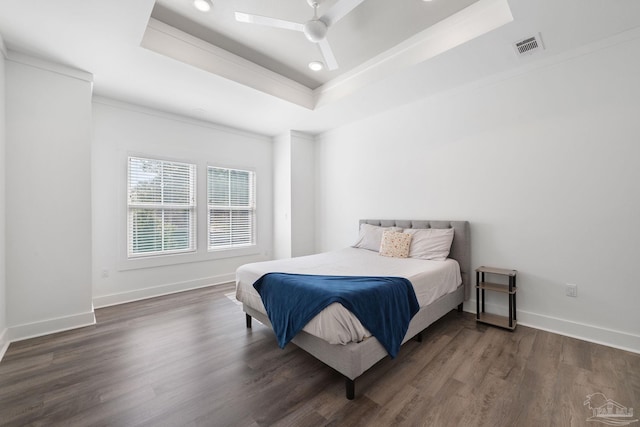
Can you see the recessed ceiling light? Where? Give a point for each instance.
(203, 5)
(316, 65)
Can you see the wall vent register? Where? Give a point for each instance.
(529, 45)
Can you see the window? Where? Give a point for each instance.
(161, 207)
(231, 206)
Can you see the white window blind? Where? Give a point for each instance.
(161, 207)
(231, 206)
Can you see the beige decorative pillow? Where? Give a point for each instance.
(395, 244)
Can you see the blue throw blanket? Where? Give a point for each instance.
(384, 305)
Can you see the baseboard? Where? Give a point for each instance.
(595, 334)
(157, 291)
(591, 333)
(4, 342)
(51, 326)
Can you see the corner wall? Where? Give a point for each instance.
(294, 195)
(48, 197)
(544, 164)
(302, 194)
(282, 196)
(4, 333)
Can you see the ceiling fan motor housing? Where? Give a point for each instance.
(315, 30)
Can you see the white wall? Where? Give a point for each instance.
(48, 197)
(4, 336)
(543, 164)
(282, 196)
(122, 129)
(294, 195)
(302, 194)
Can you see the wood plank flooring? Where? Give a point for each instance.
(187, 360)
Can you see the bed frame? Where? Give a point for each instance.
(353, 359)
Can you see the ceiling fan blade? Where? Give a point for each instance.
(270, 22)
(327, 53)
(339, 10)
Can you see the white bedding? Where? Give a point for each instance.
(335, 324)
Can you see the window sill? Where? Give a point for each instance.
(185, 258)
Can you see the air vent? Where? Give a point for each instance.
(528, 46)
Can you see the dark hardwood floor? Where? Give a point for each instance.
(187, 360)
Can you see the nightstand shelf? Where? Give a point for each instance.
(509, 288)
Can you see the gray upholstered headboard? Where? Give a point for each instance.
(460, 248)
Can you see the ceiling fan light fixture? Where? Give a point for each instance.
(316, 65)
(315, 30)
(203, 5)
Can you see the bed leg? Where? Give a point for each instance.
(248, 319)
(418, 337)
(460, 307)
(350, 386)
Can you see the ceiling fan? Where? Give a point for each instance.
(315, 29)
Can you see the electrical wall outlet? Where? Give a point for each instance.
(572, 290)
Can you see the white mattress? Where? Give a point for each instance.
(335, 324)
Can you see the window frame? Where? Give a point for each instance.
(163, 208)
(202, 254)
(250, 207)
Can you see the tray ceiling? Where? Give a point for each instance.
(274, 60)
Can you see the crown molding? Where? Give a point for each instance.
(3, 47)
(302, 135)
(169, 41)
(44, 64)
(141, 109)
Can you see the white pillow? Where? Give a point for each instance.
(395, 244)
(430, 243)
(371, 236)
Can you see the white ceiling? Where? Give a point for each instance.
(104, 37)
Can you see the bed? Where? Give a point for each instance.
(352, 350)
